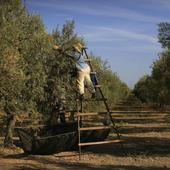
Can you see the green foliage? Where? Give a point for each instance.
(25, 46)
(32, 73)
(33, 76)
(161, 74)
(12, 75)
(164, 34)
(145, 89)
(156, 88)
(113, 88)
(60, 82)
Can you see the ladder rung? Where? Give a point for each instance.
(87, 59)
(95, 99)
(92, 113)
(100, 142)
(97, 85)
(91, 99)
(93, 72)
(86, 114)
(94, 128)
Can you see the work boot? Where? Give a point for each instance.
(93, 95)
(81, 97)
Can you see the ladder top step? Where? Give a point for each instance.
(97, 85)
(95, 99)
(87, 59)
(87, 114)
(134, 111)
(93, 72)
(94, 128)
(99, 143)
(94, 113)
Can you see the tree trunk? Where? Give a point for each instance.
(9, 131)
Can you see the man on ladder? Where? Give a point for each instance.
(83, 71)
(86, 77)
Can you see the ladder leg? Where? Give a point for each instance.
(81, 110)
(79, 138)
(78, 127)
(118, 135)
(79, 122)
(114, 125)
(108, 110)
(106, 105)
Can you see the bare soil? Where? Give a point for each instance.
(146, 140)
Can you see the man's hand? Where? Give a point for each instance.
(56, 47)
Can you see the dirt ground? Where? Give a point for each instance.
(146, 139)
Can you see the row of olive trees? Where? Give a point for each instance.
(33, 76)
(156, 87)
(113, 88)
(25, 47)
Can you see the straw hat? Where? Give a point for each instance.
(78, 47)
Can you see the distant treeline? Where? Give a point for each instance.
(155, 88)
(33, 76)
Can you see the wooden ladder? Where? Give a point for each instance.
(80, 114)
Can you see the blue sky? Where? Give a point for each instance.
(123, 32)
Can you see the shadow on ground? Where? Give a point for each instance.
(128, 130)
(132, 145)
(85, 166)
(154, 145)
(149, 146)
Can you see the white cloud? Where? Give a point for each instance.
(110, 34)
(99, 10)
(128, 48)
(117, 13)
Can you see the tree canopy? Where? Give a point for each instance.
(33, 76)
(156, 88)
